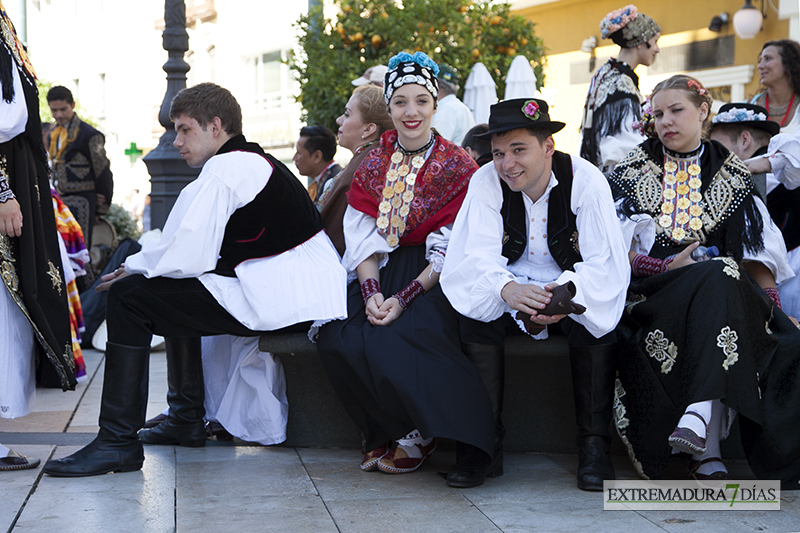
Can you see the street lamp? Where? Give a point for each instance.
(747, 21)
(169, 173)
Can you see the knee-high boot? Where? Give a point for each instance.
(184, 425)
(117, 447)
(471, 467)
(593, 386)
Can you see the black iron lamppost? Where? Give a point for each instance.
(169, 173)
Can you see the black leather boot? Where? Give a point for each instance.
(117, 447)
(184, 425)
(473, 466)
(593, 386)
(490, 362)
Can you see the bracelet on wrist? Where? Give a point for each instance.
(412, 291)
(775, 296)
(644, 266)
(369, 288)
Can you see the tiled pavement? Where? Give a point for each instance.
(224, 487)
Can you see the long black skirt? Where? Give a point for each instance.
(410, 374)
(704, 332)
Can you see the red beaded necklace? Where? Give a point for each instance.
(786, 116)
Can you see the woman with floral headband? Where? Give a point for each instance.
(396, 361)
(702, 340)
(613, 106)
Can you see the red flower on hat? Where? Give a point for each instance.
(531, 110)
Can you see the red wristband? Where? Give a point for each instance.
(774, 295)
(413, 291)
(644, 266)
(369, 288)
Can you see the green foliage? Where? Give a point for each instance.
(44, 109)
(369, 32)
(124, 224)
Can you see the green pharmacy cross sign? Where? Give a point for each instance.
(133, 152)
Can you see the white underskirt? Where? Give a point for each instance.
(17, 360)
(245, 389)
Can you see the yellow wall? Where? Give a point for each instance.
(563, 25)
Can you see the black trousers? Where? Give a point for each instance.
(139, 307)
(494, 332)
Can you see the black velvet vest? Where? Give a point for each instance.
(783, 205)
(562, 229)
(279, 218)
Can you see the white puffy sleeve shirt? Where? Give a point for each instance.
(13, 114)
(266, 293)
(475, 271)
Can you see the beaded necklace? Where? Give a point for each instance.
(398, 192)
(680, 196)
(777, 111)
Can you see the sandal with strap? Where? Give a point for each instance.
(15, 461)
(398, 461)
(686, 440)
(719, 475)
(370, 460)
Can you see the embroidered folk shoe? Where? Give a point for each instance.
(15, 461)
(717, 475)
(371, 459)
(406, 458)
(686, 440)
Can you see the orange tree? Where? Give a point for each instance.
(368, 32)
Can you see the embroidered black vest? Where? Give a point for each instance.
(279, 218)
(562, 229)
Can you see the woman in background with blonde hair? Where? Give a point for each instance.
(360, 127)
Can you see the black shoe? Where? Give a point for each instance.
(153, 422)
(594, 464)
(98, 457)
(472, 467)
(192, 435)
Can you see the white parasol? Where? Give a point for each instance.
(480, 92)
(520, 80)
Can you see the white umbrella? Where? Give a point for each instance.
(520, 80)
(480, 92)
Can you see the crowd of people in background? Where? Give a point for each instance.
(665, 252)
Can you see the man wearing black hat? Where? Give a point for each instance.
(744, 130)
(534, 220)
(453, 118)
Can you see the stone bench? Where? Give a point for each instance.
(539, 411)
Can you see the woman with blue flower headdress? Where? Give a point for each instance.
(396, 362)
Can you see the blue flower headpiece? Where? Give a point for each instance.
(405, 68)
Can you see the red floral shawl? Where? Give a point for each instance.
(438, 193)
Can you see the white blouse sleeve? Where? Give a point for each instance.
(475, 271)
(613, 148)
(362, 239)
(14, 114)
(784, 156)
(774, 254)
(192, 235)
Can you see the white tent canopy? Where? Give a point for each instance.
(480, 92)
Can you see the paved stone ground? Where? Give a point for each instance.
(224, 487)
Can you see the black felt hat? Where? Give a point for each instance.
(742, 114)
(530, 113)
